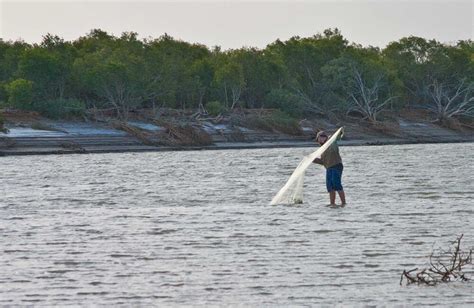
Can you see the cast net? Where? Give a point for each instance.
(292, 191)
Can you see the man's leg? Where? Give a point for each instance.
(342, 196)
(332, 197)
(329, 186)
(338, 184)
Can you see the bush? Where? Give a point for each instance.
(284, 123)
(214, 108)
(20, 94)
(60, 108)
(285, 101)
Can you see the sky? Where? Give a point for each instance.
(239, 23)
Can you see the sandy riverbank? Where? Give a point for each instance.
(43, 136)
(51, 150)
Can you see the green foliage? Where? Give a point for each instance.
(214, 108)
(3, 93)
(115, 76)
(229, 77)
(202, 74)
(10, 53)
(260, 72)
(418, 62)
(359, 81)
(285, 101)
(303, 59)
(20, 94)
(49, 67)
(284, 122)
(298, 76)
(179, 73)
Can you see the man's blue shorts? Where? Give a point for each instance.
(333, 178)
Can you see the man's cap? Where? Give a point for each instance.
(321, 134)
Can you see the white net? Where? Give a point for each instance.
(292, 192)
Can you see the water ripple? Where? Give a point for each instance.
(195, 228)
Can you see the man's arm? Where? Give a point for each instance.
(318, 161)
(341, 135)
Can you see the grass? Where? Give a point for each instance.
(274, 121)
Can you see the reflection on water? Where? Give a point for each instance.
(195, 228)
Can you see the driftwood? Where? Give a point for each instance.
(216, 119)
(6, 143)
(445, 266)
(142, 135)
(182, 134)
(73, 146)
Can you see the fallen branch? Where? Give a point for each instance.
(134, 131)
(445, 266)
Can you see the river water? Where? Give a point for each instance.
(195, 228)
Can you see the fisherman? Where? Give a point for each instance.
(332, 161)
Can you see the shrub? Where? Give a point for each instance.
(284, 123)
(60, 108)
(214, 108)
(285, 101)
(20, 94)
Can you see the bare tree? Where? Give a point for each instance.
(450, 99)
(236, 90)
(120, 97)
(366, 98)
(231, 79)
(201, 93)
(308, 104)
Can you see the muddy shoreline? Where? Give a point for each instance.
(48, 137)
(44, 147)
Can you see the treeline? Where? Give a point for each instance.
(301, 76)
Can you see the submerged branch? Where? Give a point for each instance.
(439, 271)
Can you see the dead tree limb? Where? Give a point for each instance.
(445, 266)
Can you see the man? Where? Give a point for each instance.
(333, 163)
